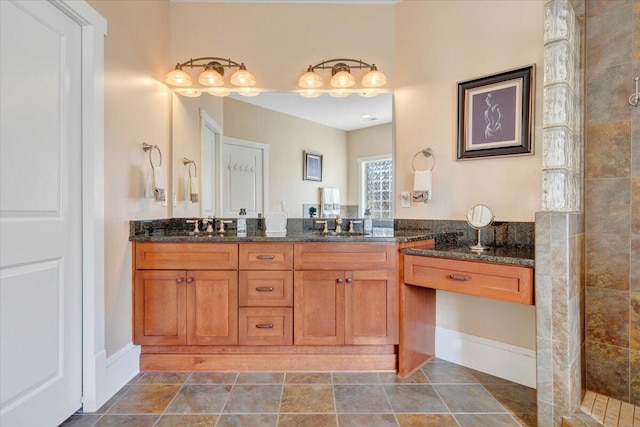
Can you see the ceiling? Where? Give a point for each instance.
(293, 1)
(340, 113)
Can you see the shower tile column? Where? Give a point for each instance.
(560, 226)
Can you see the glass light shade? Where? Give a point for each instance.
(248, 92)
(368, 93)
(342, 79)
(243, 78)
(220, 91)
(191, 93)
(310, 80)
(310, 93)
(374, 78)
(211, 78)
(339, 93)
(178, 77)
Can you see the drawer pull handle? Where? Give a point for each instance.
(459, 277)
(265, 257)
(180, 280)
(264, 289)
(264, 326)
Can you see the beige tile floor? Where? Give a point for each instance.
(441, 394)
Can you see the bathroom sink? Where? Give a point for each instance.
(342, 234)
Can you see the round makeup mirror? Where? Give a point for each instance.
(479, 217)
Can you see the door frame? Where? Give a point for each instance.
(207, 122)
(94, 29)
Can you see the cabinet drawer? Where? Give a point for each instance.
(187, 256)
(265, 326)
(266, 289)
(345, 256)
(266, 256)
(498, 281)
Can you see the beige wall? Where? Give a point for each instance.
(439, 43)
(371, 141)
(288, 137)
(277, 41)
(136, 110)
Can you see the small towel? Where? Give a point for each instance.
(194, 189)
(422, 183)
(159, 193)
(330, 202)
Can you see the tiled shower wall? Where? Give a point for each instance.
(612, 200)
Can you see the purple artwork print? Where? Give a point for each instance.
(494, 116)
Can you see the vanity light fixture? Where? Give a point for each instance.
(211, 76)
(341, 78)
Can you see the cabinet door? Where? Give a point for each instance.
(371, 307)
(159, 308)
(212, 307)
(318, 308)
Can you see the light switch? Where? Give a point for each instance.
(405, 199)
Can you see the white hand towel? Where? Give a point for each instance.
(158, 184)
(336, 201)
(326, 201)
(194, 189)
(422, 182)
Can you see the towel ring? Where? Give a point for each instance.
(148, 147)
(427, 152)
(190, 162)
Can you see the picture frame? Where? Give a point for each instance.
(312, 166)
(495, 115)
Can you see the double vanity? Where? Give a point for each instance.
(305, 301)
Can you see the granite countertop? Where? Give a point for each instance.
(523, 256)
(388, 235)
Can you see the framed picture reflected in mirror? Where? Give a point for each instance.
(312, 166)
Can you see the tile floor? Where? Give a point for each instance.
(441, 394)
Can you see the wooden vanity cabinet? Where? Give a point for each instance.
(266, 294)
(182, 306)
(358, 306)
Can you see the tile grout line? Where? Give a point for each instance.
(393, 411)
(174, 397)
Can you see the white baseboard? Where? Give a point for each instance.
(120, 368)
(502, 360)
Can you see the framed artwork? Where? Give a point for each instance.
(495, 115)
(312, 166)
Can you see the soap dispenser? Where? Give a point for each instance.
(368, 222)
(242, 221)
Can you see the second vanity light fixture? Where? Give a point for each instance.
(341, 78)
(212, 77)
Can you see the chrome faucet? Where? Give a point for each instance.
(338, 224)
(222, 223)
(208, 222)
(325, 230)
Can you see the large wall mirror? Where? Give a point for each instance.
(250, 153)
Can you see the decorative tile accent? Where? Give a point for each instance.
(604, 270)
(607, 317)
(608, 153)
(608, 370)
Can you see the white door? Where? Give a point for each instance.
(40, 215)
(210, 135)
(245, 177)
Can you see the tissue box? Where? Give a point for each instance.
(275, 222)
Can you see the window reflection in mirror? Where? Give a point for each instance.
(357, 151)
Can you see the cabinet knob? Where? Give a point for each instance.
(264, 289)
(340, 281)
(349, 280)
(180, 280)
(189, 279)
(264, 326)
